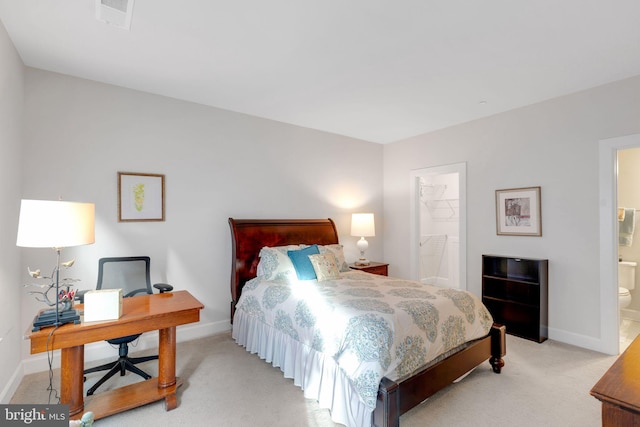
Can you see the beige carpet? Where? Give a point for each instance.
(541, 385)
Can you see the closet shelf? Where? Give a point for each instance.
(443, 208)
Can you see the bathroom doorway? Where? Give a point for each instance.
(628, 203)
(438, 225)
(609, 243)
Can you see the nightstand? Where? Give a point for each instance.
(373, 268)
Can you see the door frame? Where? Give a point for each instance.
(414, 218)
(609, 311)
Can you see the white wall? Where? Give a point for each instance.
(11, 103)
(218, 164)
(554, 145)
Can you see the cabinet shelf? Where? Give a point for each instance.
(511, 279)
(515, 293)
(515, 303)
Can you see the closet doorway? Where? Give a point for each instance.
(438, 225)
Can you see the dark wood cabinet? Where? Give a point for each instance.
(374, 268)
(515, 292)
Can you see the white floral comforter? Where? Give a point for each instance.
(371, 326)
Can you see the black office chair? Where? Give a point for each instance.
(131, 274)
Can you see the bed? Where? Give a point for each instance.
(319, 373)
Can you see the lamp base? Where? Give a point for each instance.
(48, 318)
(362, 261)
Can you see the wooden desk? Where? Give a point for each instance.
(161, 312)
(619, 389)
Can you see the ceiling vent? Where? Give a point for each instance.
(115, 12)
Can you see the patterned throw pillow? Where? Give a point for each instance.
(325, 266)
(337, 251)
(275, 264)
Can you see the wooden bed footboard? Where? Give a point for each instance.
(394, 399)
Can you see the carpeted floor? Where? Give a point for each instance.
(541, 385)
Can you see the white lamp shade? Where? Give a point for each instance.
(55, 224)
(362, 225)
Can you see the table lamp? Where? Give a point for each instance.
(362, 225)
(57, 225)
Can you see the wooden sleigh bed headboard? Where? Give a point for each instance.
(248, 236)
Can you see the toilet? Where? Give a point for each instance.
(626, 282)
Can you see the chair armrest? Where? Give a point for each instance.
(163, 287)
(80, 295)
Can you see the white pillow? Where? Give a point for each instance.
(275, 264)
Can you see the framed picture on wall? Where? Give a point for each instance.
(140, 197)
(518, 212)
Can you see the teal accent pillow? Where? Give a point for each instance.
(301, 262)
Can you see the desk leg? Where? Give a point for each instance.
(167, 364)
(71, 378)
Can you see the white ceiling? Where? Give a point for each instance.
(379, 70)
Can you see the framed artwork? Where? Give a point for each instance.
(518, 212)
(140, 197)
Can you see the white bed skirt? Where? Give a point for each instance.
(316, 373)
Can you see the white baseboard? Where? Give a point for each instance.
(11, 387)
(102, 350)
(590, 343)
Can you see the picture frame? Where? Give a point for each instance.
(518, 212)
(140, 197)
